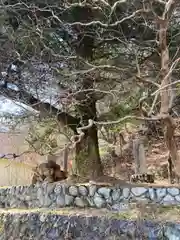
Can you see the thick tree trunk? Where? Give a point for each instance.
(166, 87)
(87, 160)
(171, 145)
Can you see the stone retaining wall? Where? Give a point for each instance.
(39, 226)
(58, 195)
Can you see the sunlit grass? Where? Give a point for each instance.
(159, 213)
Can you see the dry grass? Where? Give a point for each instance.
(14, 173)
(138, 211)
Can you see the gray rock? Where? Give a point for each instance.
(90, 201)
(161, 192)
(52, 196)
(173, 191)
(99, 201)
(16, 189)
(12, 191)
(50, 188)
(116, 194)
(42, 218)
(92, 190)
(168, 199)
(105, 192)
(177, 198)
(60, 201)
(58, 189)
(40, 193)
(83, 190)
(126, 192)
(152, 194)
(2, 205)
(69, 200)
(22, 189)
(47, 201)
(30, 204)
(138, 191)
(21, 197)
(109, 201)
(79, 202)
(13, 203)
(73, 190)
(172, 232)
(44, 186)
(38, 185)
(41, 202)
(119, 207)
(28, 198)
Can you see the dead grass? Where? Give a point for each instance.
(138, 211)
(156, 155)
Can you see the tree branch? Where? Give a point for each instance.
(101, 24)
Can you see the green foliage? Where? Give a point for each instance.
(121, 109)
(44, 137)
(53, 40)
(125, 107)
(178, 88)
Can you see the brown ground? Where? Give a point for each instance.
(133, 211)
(156, 153)
(157, 156)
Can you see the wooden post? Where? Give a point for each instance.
(139, 156)
(65, 159)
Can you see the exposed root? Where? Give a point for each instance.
(143, 178)
(48, 172)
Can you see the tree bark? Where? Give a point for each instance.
(166, 92)
(87, 160)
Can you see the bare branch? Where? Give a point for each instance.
(160, 1)
(105, 25)
(167, 75)
(13, 155)
(141, 79)
(168, 8)
(153, 104)
(129, 118)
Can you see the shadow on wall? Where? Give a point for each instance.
(14, 173)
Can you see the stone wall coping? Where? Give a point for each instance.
(96, 184)
(82, 195)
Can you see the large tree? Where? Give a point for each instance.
(92, 47)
